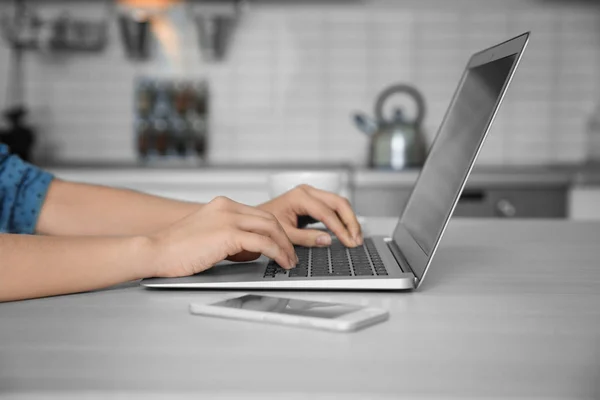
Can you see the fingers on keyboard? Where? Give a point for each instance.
(336, 260)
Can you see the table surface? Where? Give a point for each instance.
(509, 309)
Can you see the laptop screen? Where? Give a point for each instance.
(453, 151)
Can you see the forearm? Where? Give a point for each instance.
(36, 266)
(82, 209)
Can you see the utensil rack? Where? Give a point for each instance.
(26, 30)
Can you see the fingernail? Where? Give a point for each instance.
(293, 263)
(358, 239)
(323, 240)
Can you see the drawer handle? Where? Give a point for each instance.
(472, 195)
(506, 208)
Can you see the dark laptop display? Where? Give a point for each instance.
(454, 149)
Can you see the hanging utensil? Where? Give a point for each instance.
(135, 33)
(22, 28)
(216, 24)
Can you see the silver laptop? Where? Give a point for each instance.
(400, 261)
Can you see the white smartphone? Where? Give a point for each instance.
(287, 311)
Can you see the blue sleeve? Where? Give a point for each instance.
(23, 189)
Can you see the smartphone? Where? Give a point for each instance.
(287, 311)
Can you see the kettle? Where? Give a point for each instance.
(396, 143)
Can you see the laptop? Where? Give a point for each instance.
(401, 260)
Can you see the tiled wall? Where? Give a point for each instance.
(297, 71)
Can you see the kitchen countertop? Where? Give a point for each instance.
(529, 176)
(166, 166)
(244, 175)
(252, 174)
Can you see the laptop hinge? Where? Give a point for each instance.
(400, 259)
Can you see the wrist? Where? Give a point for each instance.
(144, 254)
(191, 207)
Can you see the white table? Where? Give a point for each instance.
(509, 309)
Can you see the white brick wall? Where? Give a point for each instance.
(297, 71)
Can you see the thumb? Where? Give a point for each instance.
(309, 237)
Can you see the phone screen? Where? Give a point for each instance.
(279, 305)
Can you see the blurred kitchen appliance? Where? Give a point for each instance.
(171, 121)
(19, 137)
(215, 25)
(396, 142)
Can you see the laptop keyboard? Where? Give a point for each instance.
(335, 260)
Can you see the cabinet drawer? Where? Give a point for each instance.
(474, 202)
(513, 203)
(584, 203)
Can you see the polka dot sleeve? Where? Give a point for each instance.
(23, 189)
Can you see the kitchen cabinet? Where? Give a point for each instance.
(476, 201)
(512, 194)
(584, 197)
(515, 202)
(584, 203)
(501, 193)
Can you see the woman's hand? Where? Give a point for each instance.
(334, 211)
(222, 229)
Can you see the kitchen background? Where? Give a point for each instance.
(297, 70)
